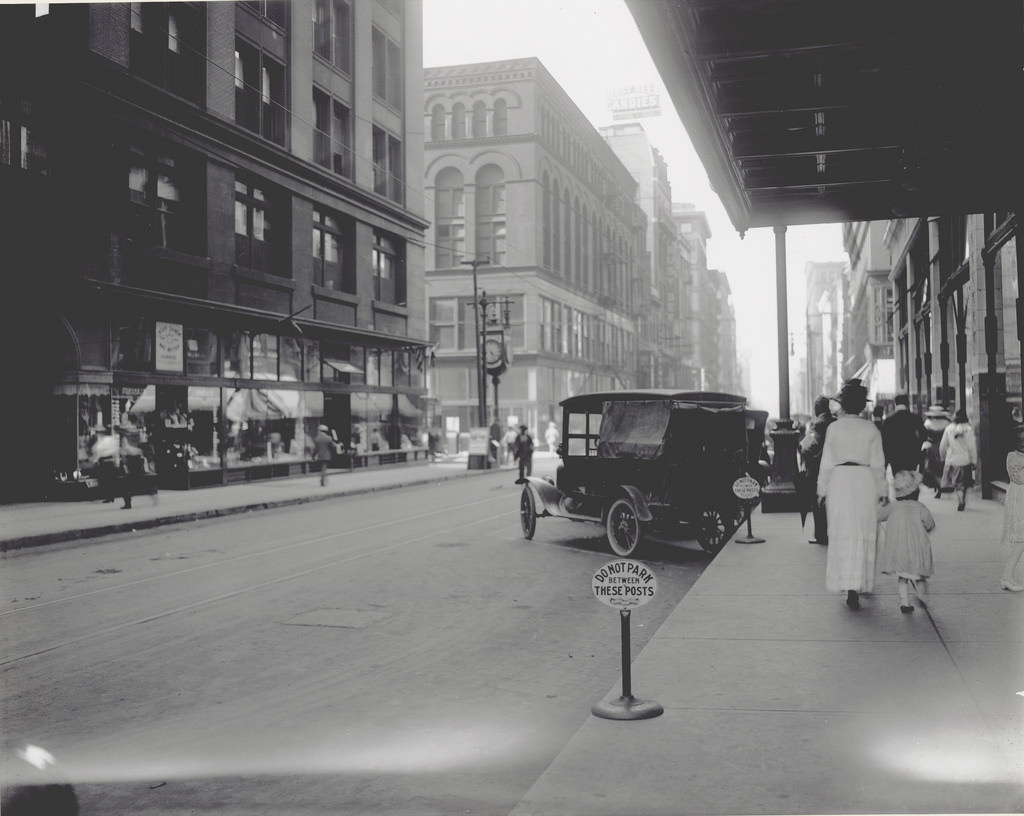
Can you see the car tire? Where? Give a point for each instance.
(625, 530)
(528, 513)
(713, 531)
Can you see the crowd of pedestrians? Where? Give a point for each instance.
(868, 474)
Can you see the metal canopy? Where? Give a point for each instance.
(822, 111)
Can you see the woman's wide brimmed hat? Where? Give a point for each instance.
(936, 411)
(853, 387)
(905, 482)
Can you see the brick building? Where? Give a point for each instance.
(211, 223)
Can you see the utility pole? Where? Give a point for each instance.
(481, 379)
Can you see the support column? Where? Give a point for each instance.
(779, 495)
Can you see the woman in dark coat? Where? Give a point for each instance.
(935, 421)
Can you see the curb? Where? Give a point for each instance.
(56, 537)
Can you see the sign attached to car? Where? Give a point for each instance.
(624, 583)
(746, 488)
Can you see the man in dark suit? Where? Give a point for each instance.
(811, 449)
(903, 435)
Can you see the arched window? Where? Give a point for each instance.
(450, 218)
(437, 123)
(500, 117)
(546, 219)
(490, 213)
(479, 120)
(556, 230)
(458, 121)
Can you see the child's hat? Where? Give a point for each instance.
(906, 482)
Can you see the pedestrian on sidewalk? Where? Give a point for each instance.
(903, 435)
(906, 550)
(959, 454)
(323, 451)
(1013, 514)
(936, 420)
(811, 447)
(510, 445)
(852, 483)
(524, 453)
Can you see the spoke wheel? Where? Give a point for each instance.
(528, 513)
(713, 531)
(625, 532)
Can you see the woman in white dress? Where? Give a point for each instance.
(852, 482)
(1013, 515)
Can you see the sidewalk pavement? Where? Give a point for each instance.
(780, 699)
(777, 697)
(32, 524)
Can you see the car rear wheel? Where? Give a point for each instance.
(625, 531)
(528, 513)
(713, 531)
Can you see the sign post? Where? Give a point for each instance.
(623, 584)
(748, 490)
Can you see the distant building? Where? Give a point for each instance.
(211, 220)
(518, 181)
(826, 366)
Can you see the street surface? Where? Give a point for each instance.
(402, 652)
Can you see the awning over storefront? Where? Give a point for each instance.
(879, 377)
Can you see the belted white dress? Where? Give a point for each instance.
(852, 480)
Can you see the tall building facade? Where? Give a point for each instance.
(659, 334)
(532, 212)
(827, 365)
(869, 334)
(211, 220)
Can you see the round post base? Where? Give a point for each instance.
(749, 540)
(627, 708)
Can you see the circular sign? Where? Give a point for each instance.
(624, 584)
(746, 488)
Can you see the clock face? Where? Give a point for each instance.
(493, 352)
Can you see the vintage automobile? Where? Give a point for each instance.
(653, 462)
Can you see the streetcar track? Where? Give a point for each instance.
(351, 557)
(243, 557)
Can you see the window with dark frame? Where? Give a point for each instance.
(260, 99)
(276, 11)
(254, 238)
(329, 266)
(387, 69)
(21, 143)
(164, 199)
(167, 47)
(388, 269)
(332, 33)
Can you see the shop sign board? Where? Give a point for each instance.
(479, 441)
(170, 347)
(624, 583)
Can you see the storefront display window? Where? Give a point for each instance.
(237, 355)
(290, 359)
(264, 356)
(311, 358)
(93, 418)
(201, 352)
(343, 363)
(266, 425)
(132, 348)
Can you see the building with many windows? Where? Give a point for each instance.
(211, 222)
(530, 206)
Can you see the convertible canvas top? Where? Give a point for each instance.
(594, 402)
(640, 429)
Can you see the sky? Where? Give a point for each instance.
(590, 47)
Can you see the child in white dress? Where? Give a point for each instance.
(907, 550)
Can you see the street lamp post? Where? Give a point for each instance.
(481, 381)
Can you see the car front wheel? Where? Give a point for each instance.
(625, 531)
(528, 513)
